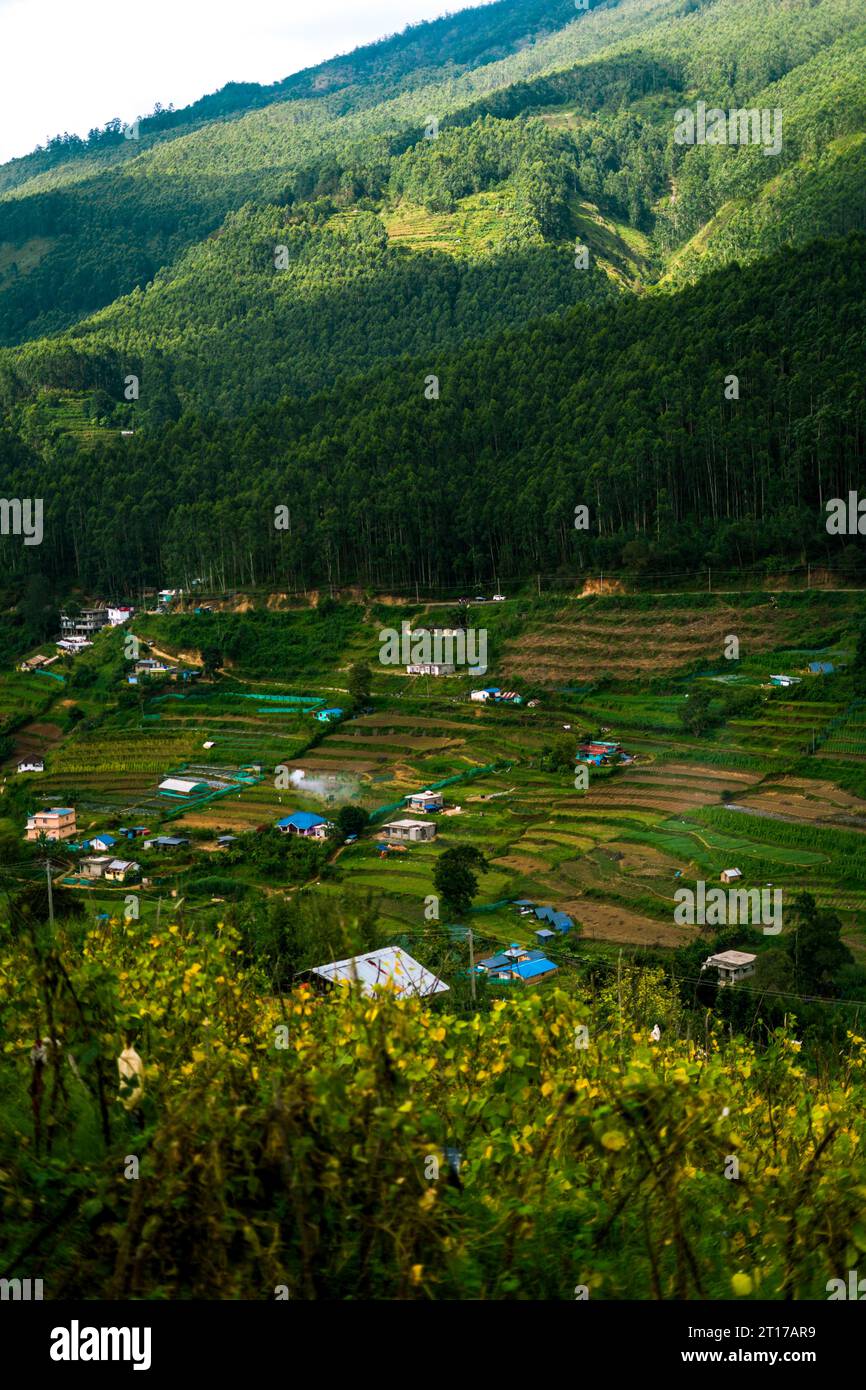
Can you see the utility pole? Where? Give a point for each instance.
(809, 576)
(471, 965)
(709, 581)
(50, 894)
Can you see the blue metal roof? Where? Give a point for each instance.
(495, 962)
(545, 934)
(528, 969)
(302, 820)
(545, 914)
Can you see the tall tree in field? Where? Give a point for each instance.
(454, 879)
(360, 682)
(815, 946)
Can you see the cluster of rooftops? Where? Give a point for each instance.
(521, 962)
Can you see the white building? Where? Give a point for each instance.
(431, 668)
(732, 966)
(118, 614)
(31, 765)
(412, 830)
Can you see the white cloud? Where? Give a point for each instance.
(69, 65)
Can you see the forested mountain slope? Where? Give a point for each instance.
(619, 406)
(75, 235)
(458, 41)
(594, 131)
(286, 281)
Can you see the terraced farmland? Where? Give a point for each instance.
(845, 738)
(606, 637)
(688, 805)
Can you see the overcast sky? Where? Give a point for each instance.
(69, 65)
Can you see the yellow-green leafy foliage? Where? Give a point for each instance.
(349, 1147)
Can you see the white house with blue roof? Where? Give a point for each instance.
(305, 823)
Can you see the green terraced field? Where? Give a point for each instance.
(613, 855)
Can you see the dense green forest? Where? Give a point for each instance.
(360, 296)
(620, 407)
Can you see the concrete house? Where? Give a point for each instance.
(102, 842)
(409, 830)
(56, 824)
(431, 668)
(86, 624)
(149, 666)
(304, 823)
(732, 966)
(94, 865)
(122, 871)
(425, 801)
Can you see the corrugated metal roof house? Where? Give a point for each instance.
(388, 968)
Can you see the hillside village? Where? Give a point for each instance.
(433, 672)
(586, 807)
